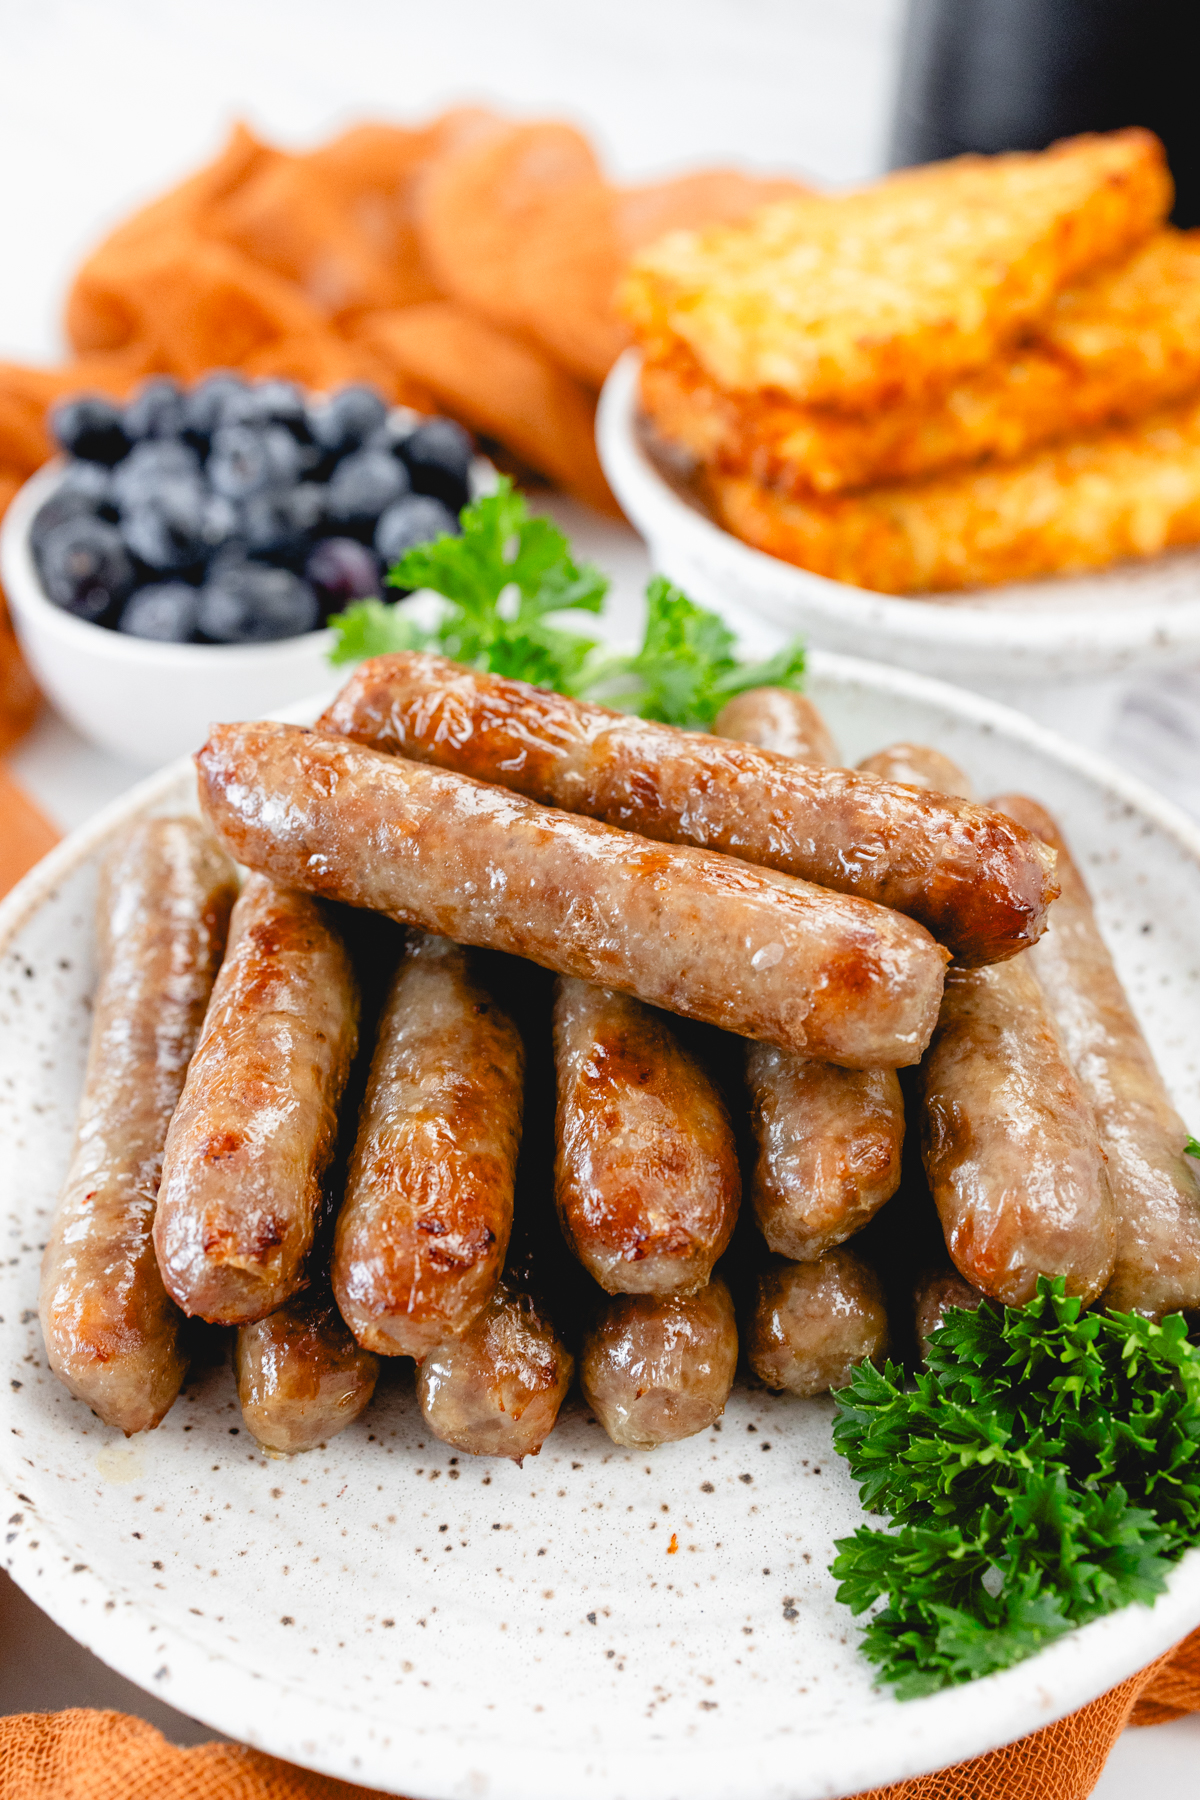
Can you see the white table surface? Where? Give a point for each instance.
(101, 105)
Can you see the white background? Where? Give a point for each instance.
(105, 102)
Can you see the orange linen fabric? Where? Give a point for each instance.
(25, 836)
(107, 1756)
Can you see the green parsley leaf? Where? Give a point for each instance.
(1192, 1147)
(369, 628)
(508, 580)
(686, 669)
(1044, 1471)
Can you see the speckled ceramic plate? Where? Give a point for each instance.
(597, 1624)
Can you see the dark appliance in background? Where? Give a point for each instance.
(1017, 74)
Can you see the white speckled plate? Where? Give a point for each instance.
(597, 1624)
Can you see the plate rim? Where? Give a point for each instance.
(926, 1735)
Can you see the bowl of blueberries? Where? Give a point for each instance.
(177, 562)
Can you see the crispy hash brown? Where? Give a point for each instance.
(1113, 347)
(1129, 491)
(895, 290)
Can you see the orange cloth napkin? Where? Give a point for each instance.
(108, 1756)
(25, 836)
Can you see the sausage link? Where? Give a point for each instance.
(697, 933)
(828, 1140)
(936, 1291)
(301, 1376)
(255, 1127)
(646, 1172)
(1009, 1142)
(659, 1367)
(111, 1332)
(496, 1389)
(828, 1148)
(781, 720)
(917, 765)
(977, 880)
(1155, 1188)
(814, 1322)
(424, 1228)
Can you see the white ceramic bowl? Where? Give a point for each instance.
(145, 702)
(1061, 649)
(149, 702)
(599, 1623)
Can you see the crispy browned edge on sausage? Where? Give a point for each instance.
(111, 1331)
(978, 881)
(255, 1127)
(813, 1322)
(655, 1368)
(1009, 1143)
(424, 1225)
(646, 1170)
(301, 1375)
(496, 1389)
(1155, 1186)
(695, 932)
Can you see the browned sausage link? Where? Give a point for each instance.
(814, 1322)
(1155, 1188)
(657, 1368)
(977, 880)
(778, 719)
(301, 1377)
(917, 765)
(646, 1172)
(828, 1139)
(744, 948)
(255, 1126)
(1009, 1142)
(828, 1144)
(424, 1228)
(162, 913)
(935, 1292)
(496, 1389)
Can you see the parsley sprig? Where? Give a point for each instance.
(1044, 1471)
(510, 585)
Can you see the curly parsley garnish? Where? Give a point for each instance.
(509, 579)
(1046, 1470)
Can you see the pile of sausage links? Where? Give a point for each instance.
(504, 963)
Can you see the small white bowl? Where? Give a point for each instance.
(143, 701)
(1061, 649)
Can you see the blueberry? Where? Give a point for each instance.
(282, 403)
(156, 410)
(346, 420)
(280, 522)
(438, 457)
(363, 486)
(151, 465)
(392, 435)
(85, 567)
(252, 603)
(90, 427)
(165, 612)
(417, 519)
(203, 407)
(72, 499)
(179, 526)
(340, 570)
(246, 460)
